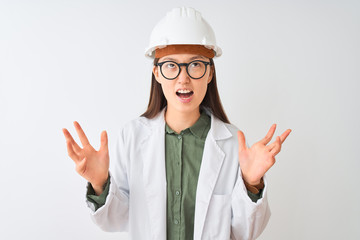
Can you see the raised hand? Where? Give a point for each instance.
(260, 157)
(91, 164)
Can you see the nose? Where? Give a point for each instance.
(183, 76)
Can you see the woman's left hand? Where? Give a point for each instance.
(260, 157)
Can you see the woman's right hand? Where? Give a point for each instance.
(91, 164)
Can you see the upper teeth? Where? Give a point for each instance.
(184, 91)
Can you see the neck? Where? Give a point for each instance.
(179, 121)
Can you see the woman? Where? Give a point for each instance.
(182, 170)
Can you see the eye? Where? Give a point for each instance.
(170, 65)
(195, 64)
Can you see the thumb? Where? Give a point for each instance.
(242, 143)
(104, 141)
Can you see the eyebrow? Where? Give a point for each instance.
(198, 56)
(192, 58)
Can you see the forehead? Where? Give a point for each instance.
(183, 57)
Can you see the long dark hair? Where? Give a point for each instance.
(211, 100)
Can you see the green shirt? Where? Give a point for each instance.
(183, 154)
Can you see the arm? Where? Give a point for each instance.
(251, 217)
(94, 167)
(255, 191)
(114, 214)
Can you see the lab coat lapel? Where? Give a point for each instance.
(154, 176)
(212, 161)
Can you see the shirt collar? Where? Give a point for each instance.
(168, 129)
(197, 129)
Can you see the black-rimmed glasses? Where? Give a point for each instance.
(171, 70)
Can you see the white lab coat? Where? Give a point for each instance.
(137, 197)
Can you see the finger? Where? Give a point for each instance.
(80, 132)
(75, 157)
(282, 139)
(269, 135)
(277, 147)
(69, 138)
(104, 141)
(242, 143)
(273, 144)
(270, 146)
(285, 135)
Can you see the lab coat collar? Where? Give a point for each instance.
(218, 128)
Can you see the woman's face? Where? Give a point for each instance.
(183, 94)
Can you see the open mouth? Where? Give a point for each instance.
(184, 93)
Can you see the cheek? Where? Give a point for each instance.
(205, 85)
(202, 88)
(167, 89)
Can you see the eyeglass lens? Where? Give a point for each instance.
(171, 70)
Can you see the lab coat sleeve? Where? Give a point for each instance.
(249, 219)
(114, 215)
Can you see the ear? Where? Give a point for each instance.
(211, 74)
(156, 73)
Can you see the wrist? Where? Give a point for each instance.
(254, 188)
(100, 187)
(251, 181)
(254, 182)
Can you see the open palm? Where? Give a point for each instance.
(260, 157)
(91, 164)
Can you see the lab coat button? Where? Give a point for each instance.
(177, 193)
(179, 137)
(176, 222)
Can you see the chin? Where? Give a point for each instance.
(188, 108)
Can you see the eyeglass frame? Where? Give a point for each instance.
(180, 65)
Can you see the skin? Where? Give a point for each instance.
(260, 157)
(90, 164)
(179, 115)
(254, 161)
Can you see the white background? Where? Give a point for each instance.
(294, 63)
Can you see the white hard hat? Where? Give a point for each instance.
(182, 26)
